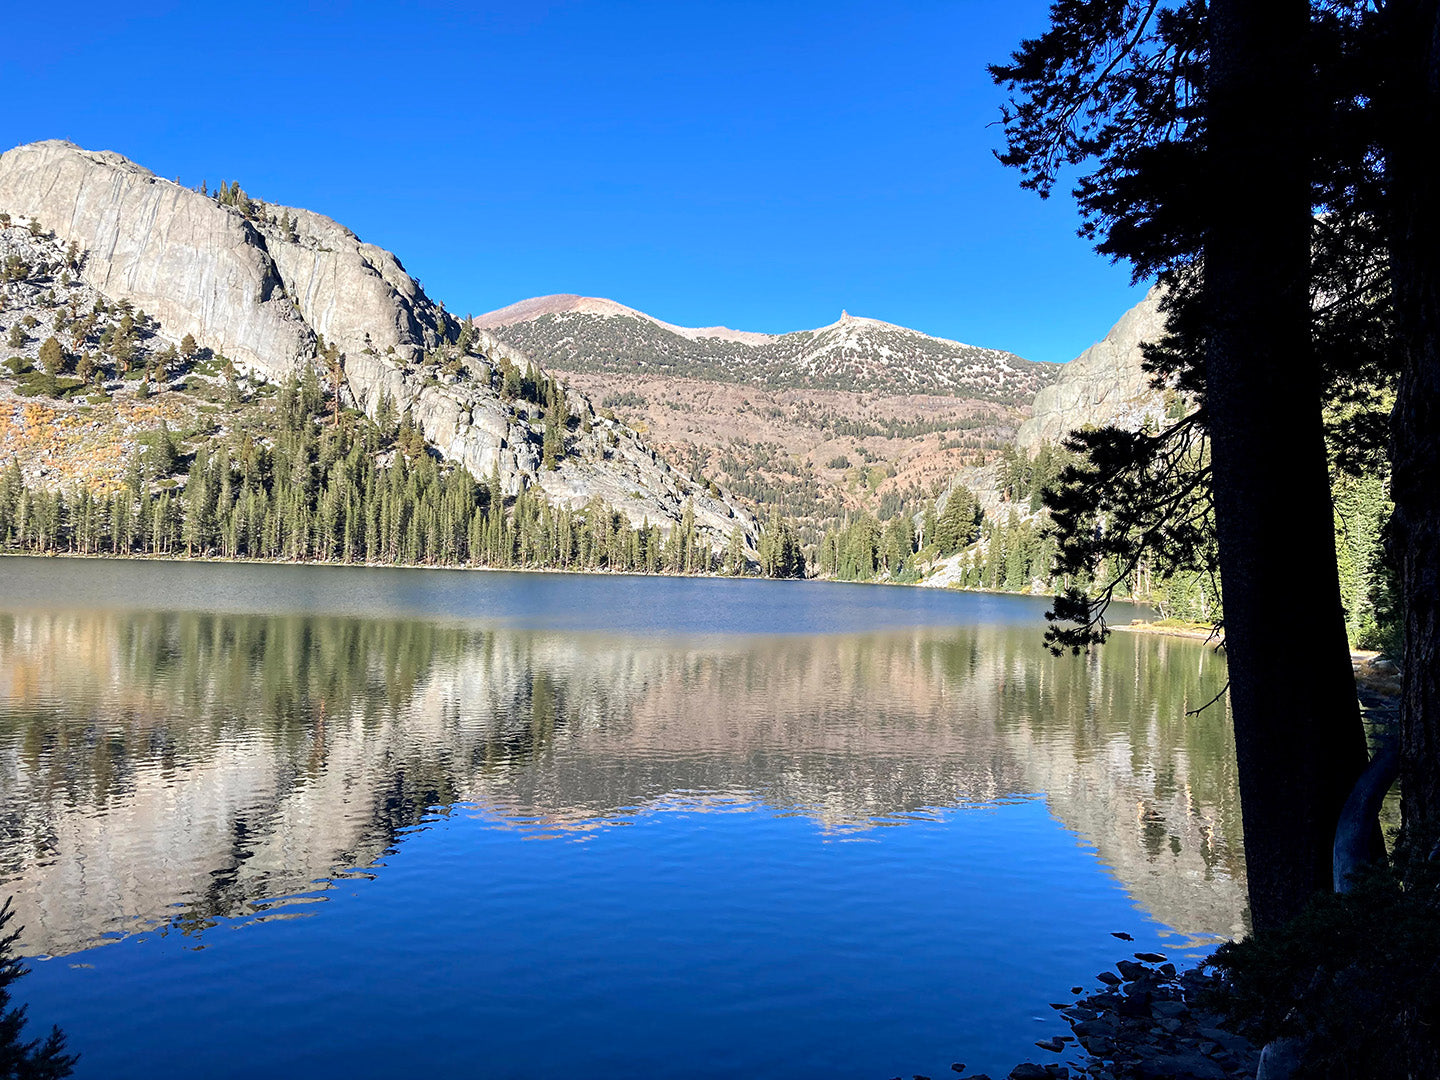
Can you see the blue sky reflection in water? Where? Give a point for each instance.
(861, 853)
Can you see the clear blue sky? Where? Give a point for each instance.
(758, 165)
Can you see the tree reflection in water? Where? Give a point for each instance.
(176, 768)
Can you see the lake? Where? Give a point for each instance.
(353, 822)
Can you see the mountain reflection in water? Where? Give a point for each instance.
(175, 768)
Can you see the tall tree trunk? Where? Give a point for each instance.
(1299, 741)
(1412, 110)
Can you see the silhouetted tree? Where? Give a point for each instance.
(1408, 102)
(1198, 184)
(35, 1059)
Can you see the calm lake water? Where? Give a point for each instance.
(334, 822)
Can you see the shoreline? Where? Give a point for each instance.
(1145, 1022)
(1164, 628)
(221, 560)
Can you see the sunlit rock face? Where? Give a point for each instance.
(1104, 385)
(264, 289)
(241, 285)
(168, 769)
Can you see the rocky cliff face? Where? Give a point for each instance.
(1103, 385)
(261, 284)
(200, 268)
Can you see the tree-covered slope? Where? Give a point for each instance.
(118, 284)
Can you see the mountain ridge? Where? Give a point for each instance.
(275, 288)
(595, 335)
(573, 303)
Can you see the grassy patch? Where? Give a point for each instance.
(38, 384)
(1181, 624)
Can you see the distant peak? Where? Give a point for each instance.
(555, 304)
(571, 304)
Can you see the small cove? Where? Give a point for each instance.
(345, 820)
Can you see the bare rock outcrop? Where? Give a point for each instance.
(193, 264)
(1103, 385)
(263, 284)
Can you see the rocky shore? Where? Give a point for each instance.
(1146, 1021)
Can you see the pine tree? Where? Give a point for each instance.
(52, 357)
(552, 444)
(735, 560)
(335, 368)
(35, 1059)
(1244, 214)
(957, 525)
(159, 451)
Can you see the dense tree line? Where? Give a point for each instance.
(1020, 551)
(349, 490)
(1023, 479)
(1014, 556)
(865, 548)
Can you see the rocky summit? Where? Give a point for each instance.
(274, 289)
